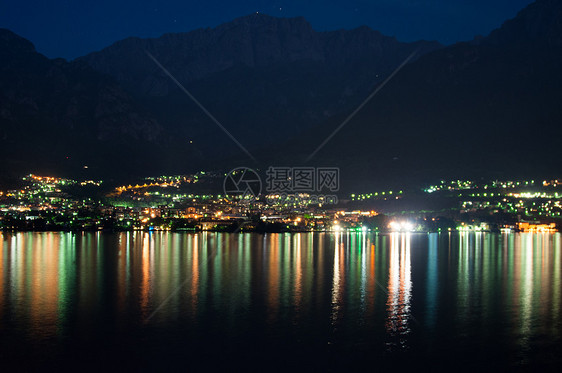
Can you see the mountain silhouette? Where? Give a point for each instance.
(489, 107)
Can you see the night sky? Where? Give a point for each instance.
(67, 28)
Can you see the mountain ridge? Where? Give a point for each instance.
(485, 109)
(479, 107)
(258, 74)
(254, 40)
(54, 114)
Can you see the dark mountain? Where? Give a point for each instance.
(540, 23)
(57, 116)
(489, 107)
(262, 77)
(486, 108)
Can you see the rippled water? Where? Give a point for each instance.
(280, 301)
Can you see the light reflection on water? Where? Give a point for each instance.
(399, 290)
(379, 294)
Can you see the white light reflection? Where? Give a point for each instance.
(399, 291)
(337, 280)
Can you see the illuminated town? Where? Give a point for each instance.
(185, 203)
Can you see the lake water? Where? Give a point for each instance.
(276, 302)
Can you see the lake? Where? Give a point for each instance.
(277, 302)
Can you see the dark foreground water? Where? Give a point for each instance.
(277, 302)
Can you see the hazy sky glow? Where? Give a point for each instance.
(66, 28)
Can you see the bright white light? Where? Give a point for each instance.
(407, 226)
(403, 226)
(395, 226)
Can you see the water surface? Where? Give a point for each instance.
(305, 301)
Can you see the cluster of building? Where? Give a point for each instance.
(184, 203)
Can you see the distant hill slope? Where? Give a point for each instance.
(262, 77)
(489, 107)
(59, 116)
(484, 108)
